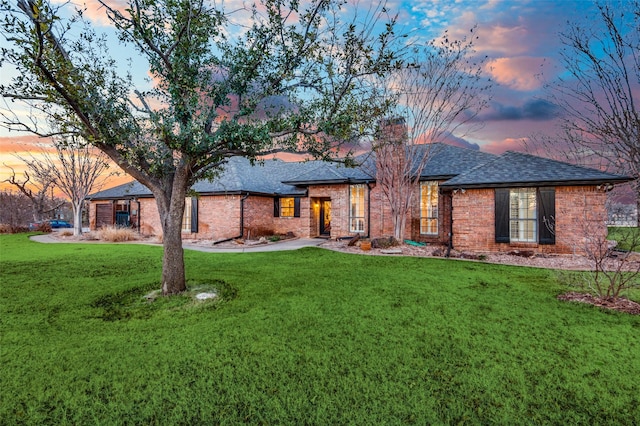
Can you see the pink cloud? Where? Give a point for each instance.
(95, 12)
(519, 73)
(509, 144)
(493, 38)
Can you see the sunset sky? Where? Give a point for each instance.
(520, 38)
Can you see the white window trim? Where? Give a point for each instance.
(357, 209)
(523, 229)
(434, 210)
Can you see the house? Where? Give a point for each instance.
(466, 199)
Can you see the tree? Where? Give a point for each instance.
(600, 120)
(37, 185)
(78, 169)
(16, 211)
(295, 77)
(439, 91)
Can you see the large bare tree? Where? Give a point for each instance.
(439, 91)
(597, 95)
(77, 169)
(294, 74)
(37, 184)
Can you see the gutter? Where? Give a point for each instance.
(450, 243)
(244, 197)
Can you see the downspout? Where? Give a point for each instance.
(138, 216)
(244, 197)
(368, 210)
(450, 243)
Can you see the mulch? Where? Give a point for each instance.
(620, 304)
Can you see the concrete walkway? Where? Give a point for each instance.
(291, 244)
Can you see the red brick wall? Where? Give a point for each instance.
(580, 212)
(382, 223)
(260, 221)
(219, 218)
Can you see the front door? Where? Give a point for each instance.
(325, 217)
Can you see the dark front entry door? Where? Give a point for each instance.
(325, 217)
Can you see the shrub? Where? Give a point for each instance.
(384, 242)
(43, 227)
(612, 271)
(6, 228)
(116, 234)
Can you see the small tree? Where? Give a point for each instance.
(597, 95)
(438, 92)
(293, 79)
(613, 267)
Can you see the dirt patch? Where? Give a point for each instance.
(620, 304)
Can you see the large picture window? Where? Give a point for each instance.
(356, 211)
(525, 215)
(429, 208)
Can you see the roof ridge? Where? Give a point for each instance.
(553, 160)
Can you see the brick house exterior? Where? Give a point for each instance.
(464, 199)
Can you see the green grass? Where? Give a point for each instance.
(628, 238)
(305, 337)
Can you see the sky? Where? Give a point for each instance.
(519, 38)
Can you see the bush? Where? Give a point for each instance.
(6, 228)
(384, 243)
(116, 235)
(43, 227)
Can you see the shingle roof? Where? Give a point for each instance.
(321, 172)
(458, 167)
(515, 168)
(448, 160)
(126, 190)
(238, 176)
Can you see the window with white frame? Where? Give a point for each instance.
(523, 218)
(429, 208)
(356, 211)
(186, 217)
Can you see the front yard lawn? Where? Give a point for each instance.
(305, 337)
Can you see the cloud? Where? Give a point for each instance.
(460, 142)
(533, 109)
(508, 144)
(518, 73)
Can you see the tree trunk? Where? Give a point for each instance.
(173, 273)
(77, 218)
(171, 211)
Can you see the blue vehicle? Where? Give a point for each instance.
(54, 224)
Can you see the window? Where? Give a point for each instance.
(286, 207)
(190, 216)
(186, 217)
(429, 208)
(523, 215)
(356, 211)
